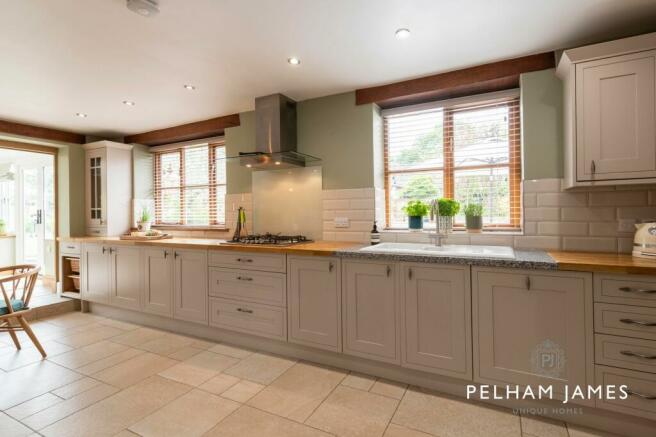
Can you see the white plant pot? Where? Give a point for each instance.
(143, 226)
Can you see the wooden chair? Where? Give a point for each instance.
(17, 283)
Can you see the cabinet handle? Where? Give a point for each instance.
(388, 271)
(593, 166)
(331, 266)
(245, 310)
(104, 250)
(528, 282)
(244, 260)
(410, 274)
(641, 395)
(244, 278)
(638, 355)
(637, 290)
(111, 250)
(175, 254)
(637, 322)
(166, 254)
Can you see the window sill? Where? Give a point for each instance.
(455, 231)
(219, 228)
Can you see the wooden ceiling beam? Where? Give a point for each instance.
(496, 76)
(43, 133)
(185, 132)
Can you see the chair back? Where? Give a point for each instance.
(17, 282)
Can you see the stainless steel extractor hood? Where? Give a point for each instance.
(275, 136)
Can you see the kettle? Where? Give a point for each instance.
(644, 240)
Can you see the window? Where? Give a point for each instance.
(468, 152)
(190, 186)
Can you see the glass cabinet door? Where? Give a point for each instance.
(95, 210)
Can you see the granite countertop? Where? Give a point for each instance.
(524, 259)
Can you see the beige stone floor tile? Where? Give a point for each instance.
(70, 406)
(260, 367)
(352, 412)
(202, 344)
(166, 344)
(388, 388)
(87, 354)
(29, 354)
(394, 430)
(231, 351)
(359, 381)
(126, 433)
(242, 391)
(543, 427)
(219, 383)
(43, 331)
(12, 428)
(250, 422)
(73, 319)
(138, 336)
(33, 380)
(450, 417)
(117, 412)
(134, 370)
(76, 387)
(192, 414)
(125, 326)
(579, 431)
(34, 405)
(185, 353)
(298, 391)
(110, 361)
(89, 336)
(199, 368)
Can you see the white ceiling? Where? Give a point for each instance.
(59, 57)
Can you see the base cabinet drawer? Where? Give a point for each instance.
(70, 248)
(266, 262)
(625, 289)
(257, 287)
(641, 388)
(625, 352)
(629, 321)
(251, 318)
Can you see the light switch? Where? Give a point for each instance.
(342, 222)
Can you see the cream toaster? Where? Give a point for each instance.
(644, 241)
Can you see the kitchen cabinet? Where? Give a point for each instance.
(610, 112)
(190, 285)
(532, 328)
(314, 309)
(158, 281)
(436, 319)
(108, 205)
(125, 277)
(370, 310)
(94, 268)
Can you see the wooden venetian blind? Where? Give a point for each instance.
(469, 152)
(190, 185)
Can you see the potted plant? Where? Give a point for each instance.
(474, 217)
(416, 210)
(443, 210)
(144, 221)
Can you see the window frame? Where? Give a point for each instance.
(213, 186)
(509, 98)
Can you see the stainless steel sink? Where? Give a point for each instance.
(468, 251)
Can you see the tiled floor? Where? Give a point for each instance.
(104, 378)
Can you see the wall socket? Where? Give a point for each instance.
(341, 222)
(626, 225)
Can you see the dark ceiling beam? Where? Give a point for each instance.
(185, 132)
(43, 133)
(496, 76)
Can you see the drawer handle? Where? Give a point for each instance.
(638, 354)
(245, 310)
(331, 266)
(244, 278)
(637, 290)
(641, 395)
(70, 247)
(244, 260)
(637, 322)
(388, 271)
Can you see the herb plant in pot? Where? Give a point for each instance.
(474, 217)
(416, 211)
(445, 209)
(144, 221)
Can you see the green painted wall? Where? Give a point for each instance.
(70, 180)
(542, 125)
(142, 172)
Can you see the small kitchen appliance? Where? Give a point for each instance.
(644, 241)
(269, 239)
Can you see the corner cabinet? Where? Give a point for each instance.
(532, 327)
(610, 112)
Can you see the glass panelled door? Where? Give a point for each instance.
(33, 215)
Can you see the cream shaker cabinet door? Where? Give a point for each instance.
(95, 273)
(436, 309)
(616, 117)
(158, 281)
(96, 190)
(190, 291)
(370, 313)
(314, 288)
(532, 328)
(125, 277)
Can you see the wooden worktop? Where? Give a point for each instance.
(604, 262)
(324, 248)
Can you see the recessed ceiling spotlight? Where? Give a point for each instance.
(293, 61)
(189, 87)
(128, 102)
(81, 114)
(146, 8)
(402, 33)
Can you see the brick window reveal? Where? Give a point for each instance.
(190, 185)
(466, 151)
